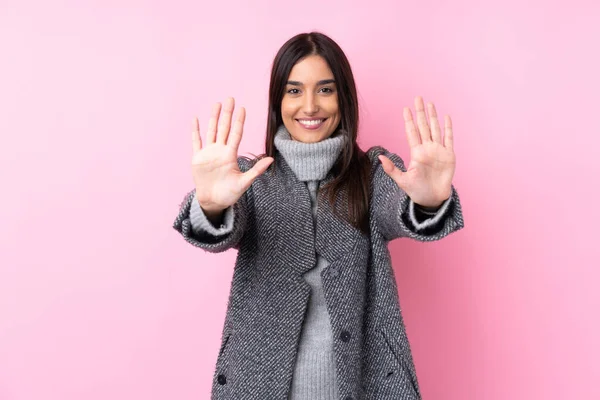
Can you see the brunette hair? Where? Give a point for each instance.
(348, 192)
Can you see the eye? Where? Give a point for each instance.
(327, 90)
(291, 91)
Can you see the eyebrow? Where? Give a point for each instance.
(322, 82)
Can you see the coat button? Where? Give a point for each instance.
(345, 336)
(334, 272)
(221, 379)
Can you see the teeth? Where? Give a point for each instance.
(310, 123)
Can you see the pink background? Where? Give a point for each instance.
(101, 299)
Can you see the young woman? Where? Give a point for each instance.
(313, 311)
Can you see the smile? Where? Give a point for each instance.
(311, 124)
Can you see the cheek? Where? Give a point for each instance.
(334, 111)
(287, 109)
(332, 106)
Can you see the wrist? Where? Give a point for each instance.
(429, 208)
(211, 212)
(215, 216)
(209, 207)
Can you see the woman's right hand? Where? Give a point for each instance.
(218, 179)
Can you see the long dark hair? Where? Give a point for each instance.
(349, 190)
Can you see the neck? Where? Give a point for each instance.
(309, 161)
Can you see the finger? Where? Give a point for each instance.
(225, 120)
(211, 133)
(449, 134)
(235, 137)
(411, 130)
(261, 166)
(436, 133)
(196, 139)
(394, 172)
(422, 120)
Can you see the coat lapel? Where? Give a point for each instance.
(296, 241)
(333, 237)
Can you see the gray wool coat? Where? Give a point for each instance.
(276, 240)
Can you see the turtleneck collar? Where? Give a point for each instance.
(309, 161)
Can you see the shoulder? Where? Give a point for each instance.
(245, 163)
(374, 152)
(264, 181)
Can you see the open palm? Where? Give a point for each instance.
(218, 179)
(428, 178)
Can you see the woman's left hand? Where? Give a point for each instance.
(428, 178)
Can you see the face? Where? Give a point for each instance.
(309, 107)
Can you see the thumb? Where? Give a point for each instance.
(261, 166)
(394, 172)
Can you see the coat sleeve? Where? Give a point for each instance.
(194, 226)
(396, 215)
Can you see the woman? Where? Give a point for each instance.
(313, 311)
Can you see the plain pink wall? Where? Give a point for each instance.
(101, 299)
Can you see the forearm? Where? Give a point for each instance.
(214, 236)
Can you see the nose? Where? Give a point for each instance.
(310, 105)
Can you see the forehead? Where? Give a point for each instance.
(310, 70)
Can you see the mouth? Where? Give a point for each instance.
(311, 124)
